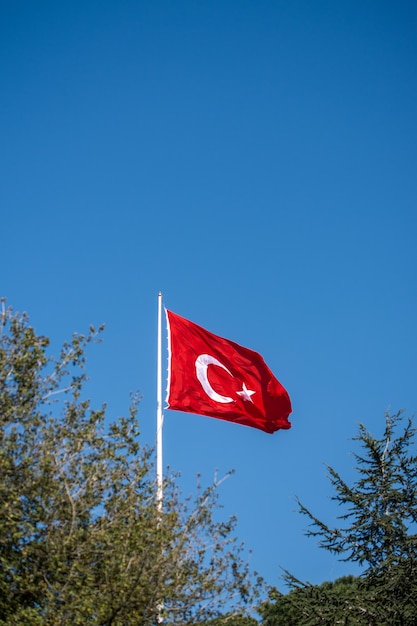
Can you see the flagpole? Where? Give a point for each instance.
(159, 415)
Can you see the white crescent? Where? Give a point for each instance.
(201, 366)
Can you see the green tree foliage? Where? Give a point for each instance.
(231, 620)
(329, 603)
(82, 540)
(377, 530)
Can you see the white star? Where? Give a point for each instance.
(246, 393)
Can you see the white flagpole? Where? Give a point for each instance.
(159, 422)
(159, 415)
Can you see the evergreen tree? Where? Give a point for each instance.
(82, 540)
(307, 605)
(377, 530)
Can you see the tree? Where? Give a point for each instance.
(378, 531)
(82, 539)
(329, 603)
(231, 620)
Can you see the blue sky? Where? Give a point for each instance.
(254, 161)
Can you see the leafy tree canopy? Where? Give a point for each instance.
(82, 540)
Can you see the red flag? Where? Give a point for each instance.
(209, 375)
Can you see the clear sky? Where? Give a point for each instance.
(256, 162)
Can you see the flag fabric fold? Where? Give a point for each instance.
(212, 376)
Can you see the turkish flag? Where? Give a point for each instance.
(212, 376)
